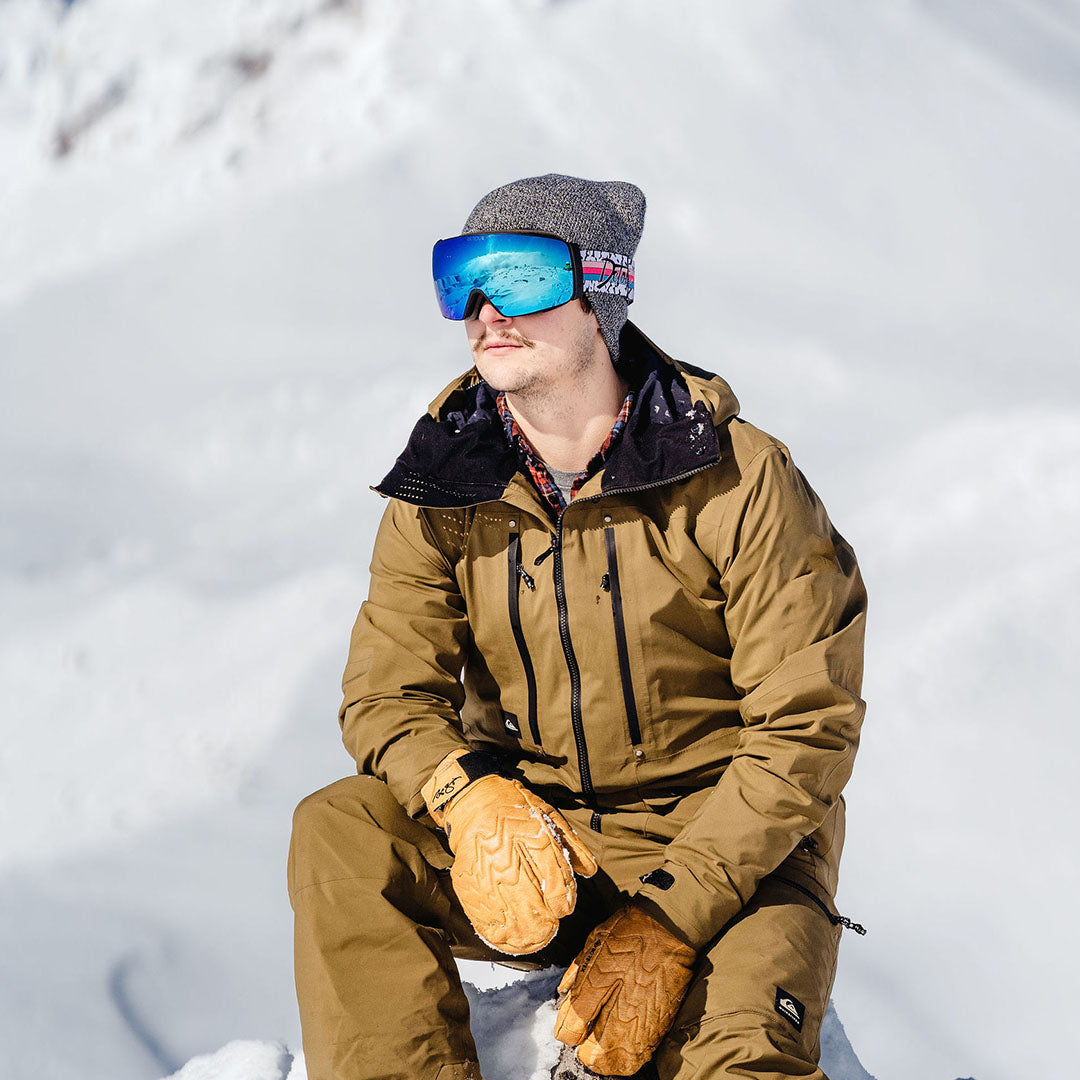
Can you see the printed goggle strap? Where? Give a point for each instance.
(608, 272)
(452, 775)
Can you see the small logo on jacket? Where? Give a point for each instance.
(790, 1007)
(510, 722)
(658, 877)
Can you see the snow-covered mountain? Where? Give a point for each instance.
(216, 328)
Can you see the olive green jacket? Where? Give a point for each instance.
(681, 653)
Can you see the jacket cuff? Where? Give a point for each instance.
(693, 912)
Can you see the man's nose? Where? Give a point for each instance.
(489, 315)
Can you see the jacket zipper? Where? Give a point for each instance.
(575, 677)
(620, 638)
(564, 630)
(836, 920)
(644, 487)
(517, 574)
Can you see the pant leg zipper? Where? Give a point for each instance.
(833, 917)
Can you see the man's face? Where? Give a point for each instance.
(535, 354)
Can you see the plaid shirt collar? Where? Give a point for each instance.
(538, 470)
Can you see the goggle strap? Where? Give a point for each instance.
(608, 272)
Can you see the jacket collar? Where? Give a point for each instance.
(458, 454)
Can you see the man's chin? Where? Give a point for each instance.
(502, 376)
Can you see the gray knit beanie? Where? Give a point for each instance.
(597, 215)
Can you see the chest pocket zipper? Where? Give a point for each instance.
(516, 574)
(612, 577)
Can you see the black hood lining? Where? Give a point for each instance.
(463, 457)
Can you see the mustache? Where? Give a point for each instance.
(512, 338)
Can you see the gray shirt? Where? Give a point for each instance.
(563, 480)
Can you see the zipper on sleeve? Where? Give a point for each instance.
(620, 638)
(516, 575)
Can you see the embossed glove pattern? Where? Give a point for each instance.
(622, 992)
(514, 863)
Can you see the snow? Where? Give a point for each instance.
(512, 1026)
(217, 327)
(245, 1060)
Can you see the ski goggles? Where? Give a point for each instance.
(522, 273)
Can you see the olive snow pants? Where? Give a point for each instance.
(378, 927)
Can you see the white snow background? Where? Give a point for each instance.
(217, 328)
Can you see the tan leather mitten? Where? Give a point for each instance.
(514, 855)
(622, 992)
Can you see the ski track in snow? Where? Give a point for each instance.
(120, 994)
(217, 329)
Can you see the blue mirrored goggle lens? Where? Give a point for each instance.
(519, 274)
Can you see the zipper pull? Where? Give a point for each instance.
(605, 583)
(544, 554)
(849, 924)
(526, 577)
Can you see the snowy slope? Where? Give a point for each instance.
(216, 328)
(127, 120)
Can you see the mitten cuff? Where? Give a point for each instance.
(452, 775)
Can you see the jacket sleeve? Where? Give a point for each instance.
(795, 615)
(400, 715)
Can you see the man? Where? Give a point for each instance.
(603, 695)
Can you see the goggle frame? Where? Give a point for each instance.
(619, 272)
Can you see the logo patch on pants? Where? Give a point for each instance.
(790, 1007)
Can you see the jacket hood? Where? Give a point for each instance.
(458, 454)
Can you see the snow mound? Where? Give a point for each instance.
(245, 1060)
(512, 1026)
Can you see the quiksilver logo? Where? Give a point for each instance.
(790, 1007)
